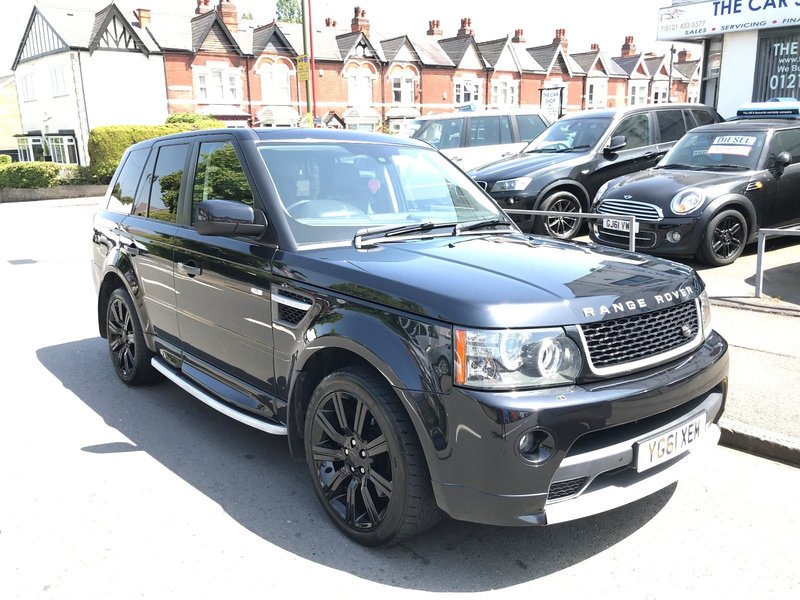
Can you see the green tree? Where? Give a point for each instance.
(289, 11)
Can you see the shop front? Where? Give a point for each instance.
(751, 48)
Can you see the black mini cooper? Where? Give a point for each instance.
(710, 194)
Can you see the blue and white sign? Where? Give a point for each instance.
(704, 19)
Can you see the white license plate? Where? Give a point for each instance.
(665, 446)
(620, 225)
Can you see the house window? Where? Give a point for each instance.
(660, 92)
(638, 94)
(504, 93)
(467, 91)
(275, 87)
(57, 83)
(30, 149)
(28, 89)
(597, 94)
(218, 83)
(359, 86)
(403, 90)
(63, 149)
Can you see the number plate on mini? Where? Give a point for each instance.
(670, 444)
(620, 225)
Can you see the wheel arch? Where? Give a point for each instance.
(731, 202)
(564, 185)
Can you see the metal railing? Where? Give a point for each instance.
(630, 219)
(763, 234)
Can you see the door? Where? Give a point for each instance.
(488, 139)
(147, 235)
(223, 286)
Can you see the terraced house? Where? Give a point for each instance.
(79, 68)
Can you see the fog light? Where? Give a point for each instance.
(674, 236)
(536, 446)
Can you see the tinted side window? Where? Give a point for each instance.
(703, 117)
(443, 133)
(786, 141)
(124, 190)
(166, 182)
(530, 126)
(486, 131)
(219, 175)
(636, 129)
(670, 125)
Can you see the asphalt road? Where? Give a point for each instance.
(113, 492)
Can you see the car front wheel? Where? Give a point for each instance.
(366, 463)
(559, 227)
(725, 238)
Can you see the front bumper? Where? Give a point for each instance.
(479, 475)
(652, 236)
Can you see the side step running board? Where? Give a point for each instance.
(195, 391)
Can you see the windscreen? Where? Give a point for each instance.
(716, 151)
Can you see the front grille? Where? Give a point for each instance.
(565, 489)
(628, 208)
(644, 239)
(629, 339)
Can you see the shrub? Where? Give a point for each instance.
(4, 159)
(107, 144)
(30, 175)
(194, 119)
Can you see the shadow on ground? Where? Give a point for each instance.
(252, 477)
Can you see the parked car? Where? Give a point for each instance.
(562, 169)
(709, 196)
(361, 295)
(474, 138)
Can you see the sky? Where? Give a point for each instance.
(605, 22)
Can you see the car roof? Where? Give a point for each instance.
(749, 125)
(483, 113)
(616, 112)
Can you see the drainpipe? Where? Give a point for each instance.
(251, 119)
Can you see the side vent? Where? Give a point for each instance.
(291, 307)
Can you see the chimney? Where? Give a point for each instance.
(360, 21)
(595, 47)
(203, 6)
(519, 37)
(561, 38)
(230, 16)
(142, 17)
(466, 27)
(434, 28)
(330, 22)
(684, 56)
(628, 48)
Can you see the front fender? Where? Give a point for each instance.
(570, 184)
(735, 201)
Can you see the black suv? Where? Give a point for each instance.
(710, 195)
(562, 169)
(361, 295)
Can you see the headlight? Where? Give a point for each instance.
(687, 201)
(705, 313)
(515, 358)
(600, 192)
(511, 185)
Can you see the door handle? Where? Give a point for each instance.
(190, 268)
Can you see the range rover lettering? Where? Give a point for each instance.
(360, 295)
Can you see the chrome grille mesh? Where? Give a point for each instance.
(565, 489)
(628, 208)
(629, 339)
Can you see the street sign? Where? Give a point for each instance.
(302, 67)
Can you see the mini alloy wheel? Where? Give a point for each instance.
(726, 236)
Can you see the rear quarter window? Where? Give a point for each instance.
(671, 126)
(703, 117)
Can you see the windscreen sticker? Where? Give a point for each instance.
(735, 150)
(744, 140)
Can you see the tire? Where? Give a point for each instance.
(365, 461)
(561, 228)
(130, 355)
(725, 238)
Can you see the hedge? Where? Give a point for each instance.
(108, 144)
(34, 174)
(4, 159)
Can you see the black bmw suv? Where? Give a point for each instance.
(562, 169)
(362, 296)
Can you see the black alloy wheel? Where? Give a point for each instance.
(129, 353)
(725, 238)
(365, 460)
(559, 227)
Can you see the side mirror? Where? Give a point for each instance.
(617, 143)
(228, 217)
(783, 160)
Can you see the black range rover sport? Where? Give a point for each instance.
(362, 296)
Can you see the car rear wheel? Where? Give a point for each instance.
(725, 238)
(561, 227)
(130, 356)
(366, 463)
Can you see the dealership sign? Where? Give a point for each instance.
(704, 19)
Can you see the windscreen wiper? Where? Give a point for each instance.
(729, 166)
(462, 227)
(677, 166)
(387, 231)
